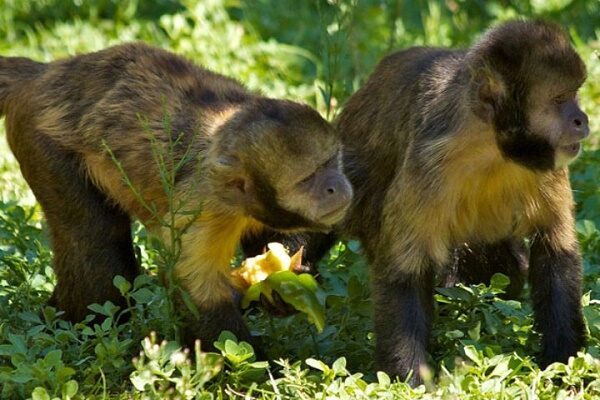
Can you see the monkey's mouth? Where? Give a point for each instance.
(571, 150)
(334, 216)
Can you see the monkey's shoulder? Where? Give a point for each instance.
(417, 60)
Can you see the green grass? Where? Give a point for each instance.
(318, 52)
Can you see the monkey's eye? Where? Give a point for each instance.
(330, 163)
(563, 98)
(307, 179)
(560, 100)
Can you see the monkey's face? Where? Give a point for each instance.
(534, 112)
(321, 192)
(288, 170)
(555, 115)
(542, 130)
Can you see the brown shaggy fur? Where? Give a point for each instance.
(79, 126)
(457, 156)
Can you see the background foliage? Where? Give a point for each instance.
(318, 52)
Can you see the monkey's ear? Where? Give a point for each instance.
(230, 181)
(238, 184)
(236, 192)
(488, 89)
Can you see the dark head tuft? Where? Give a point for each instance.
(519, 49)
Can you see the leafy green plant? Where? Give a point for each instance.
(167, 369)
(475, 316)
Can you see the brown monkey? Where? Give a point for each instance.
(261, 163)
(445, 147)
(449, 146)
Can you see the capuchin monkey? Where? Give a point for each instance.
(96, 134)
(457, 156)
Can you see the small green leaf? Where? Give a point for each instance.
(454, 334)
(141, 280)
(107, 324)
(70, 389)
(231, 348)
(457, 293)
(339, 367)
(472, 353)
(501, 369)
(87, 331)
(30, 317)
(18, 341)
(53, 358)
(383, 379)
(499, 281)
(39, 393)
(253, 294)
(475, 332)
(143, 296)
(63, 373)
(97, 308)
(300, 291)
(317, 364)
(122, 284)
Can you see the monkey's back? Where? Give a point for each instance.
(133, 99)
(113, 89)
(378, 124)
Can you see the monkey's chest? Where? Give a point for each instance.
(489, 210)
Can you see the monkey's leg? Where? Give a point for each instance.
(214, 319)
(91, 238)
(403, 309)
(555, 277)
(474, 263)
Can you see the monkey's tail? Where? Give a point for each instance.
(14, 72)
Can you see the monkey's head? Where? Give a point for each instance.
(524, 82)
(280, 163)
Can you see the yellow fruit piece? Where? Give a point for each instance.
(257, 269)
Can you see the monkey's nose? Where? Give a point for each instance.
(338, 187)
(580, 125)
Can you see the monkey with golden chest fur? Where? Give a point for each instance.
(78, 125)
(445, 147)
(471, 146)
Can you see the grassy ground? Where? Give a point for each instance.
(318, 52)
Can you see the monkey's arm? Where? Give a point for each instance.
(203, 270)
(555, 278)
